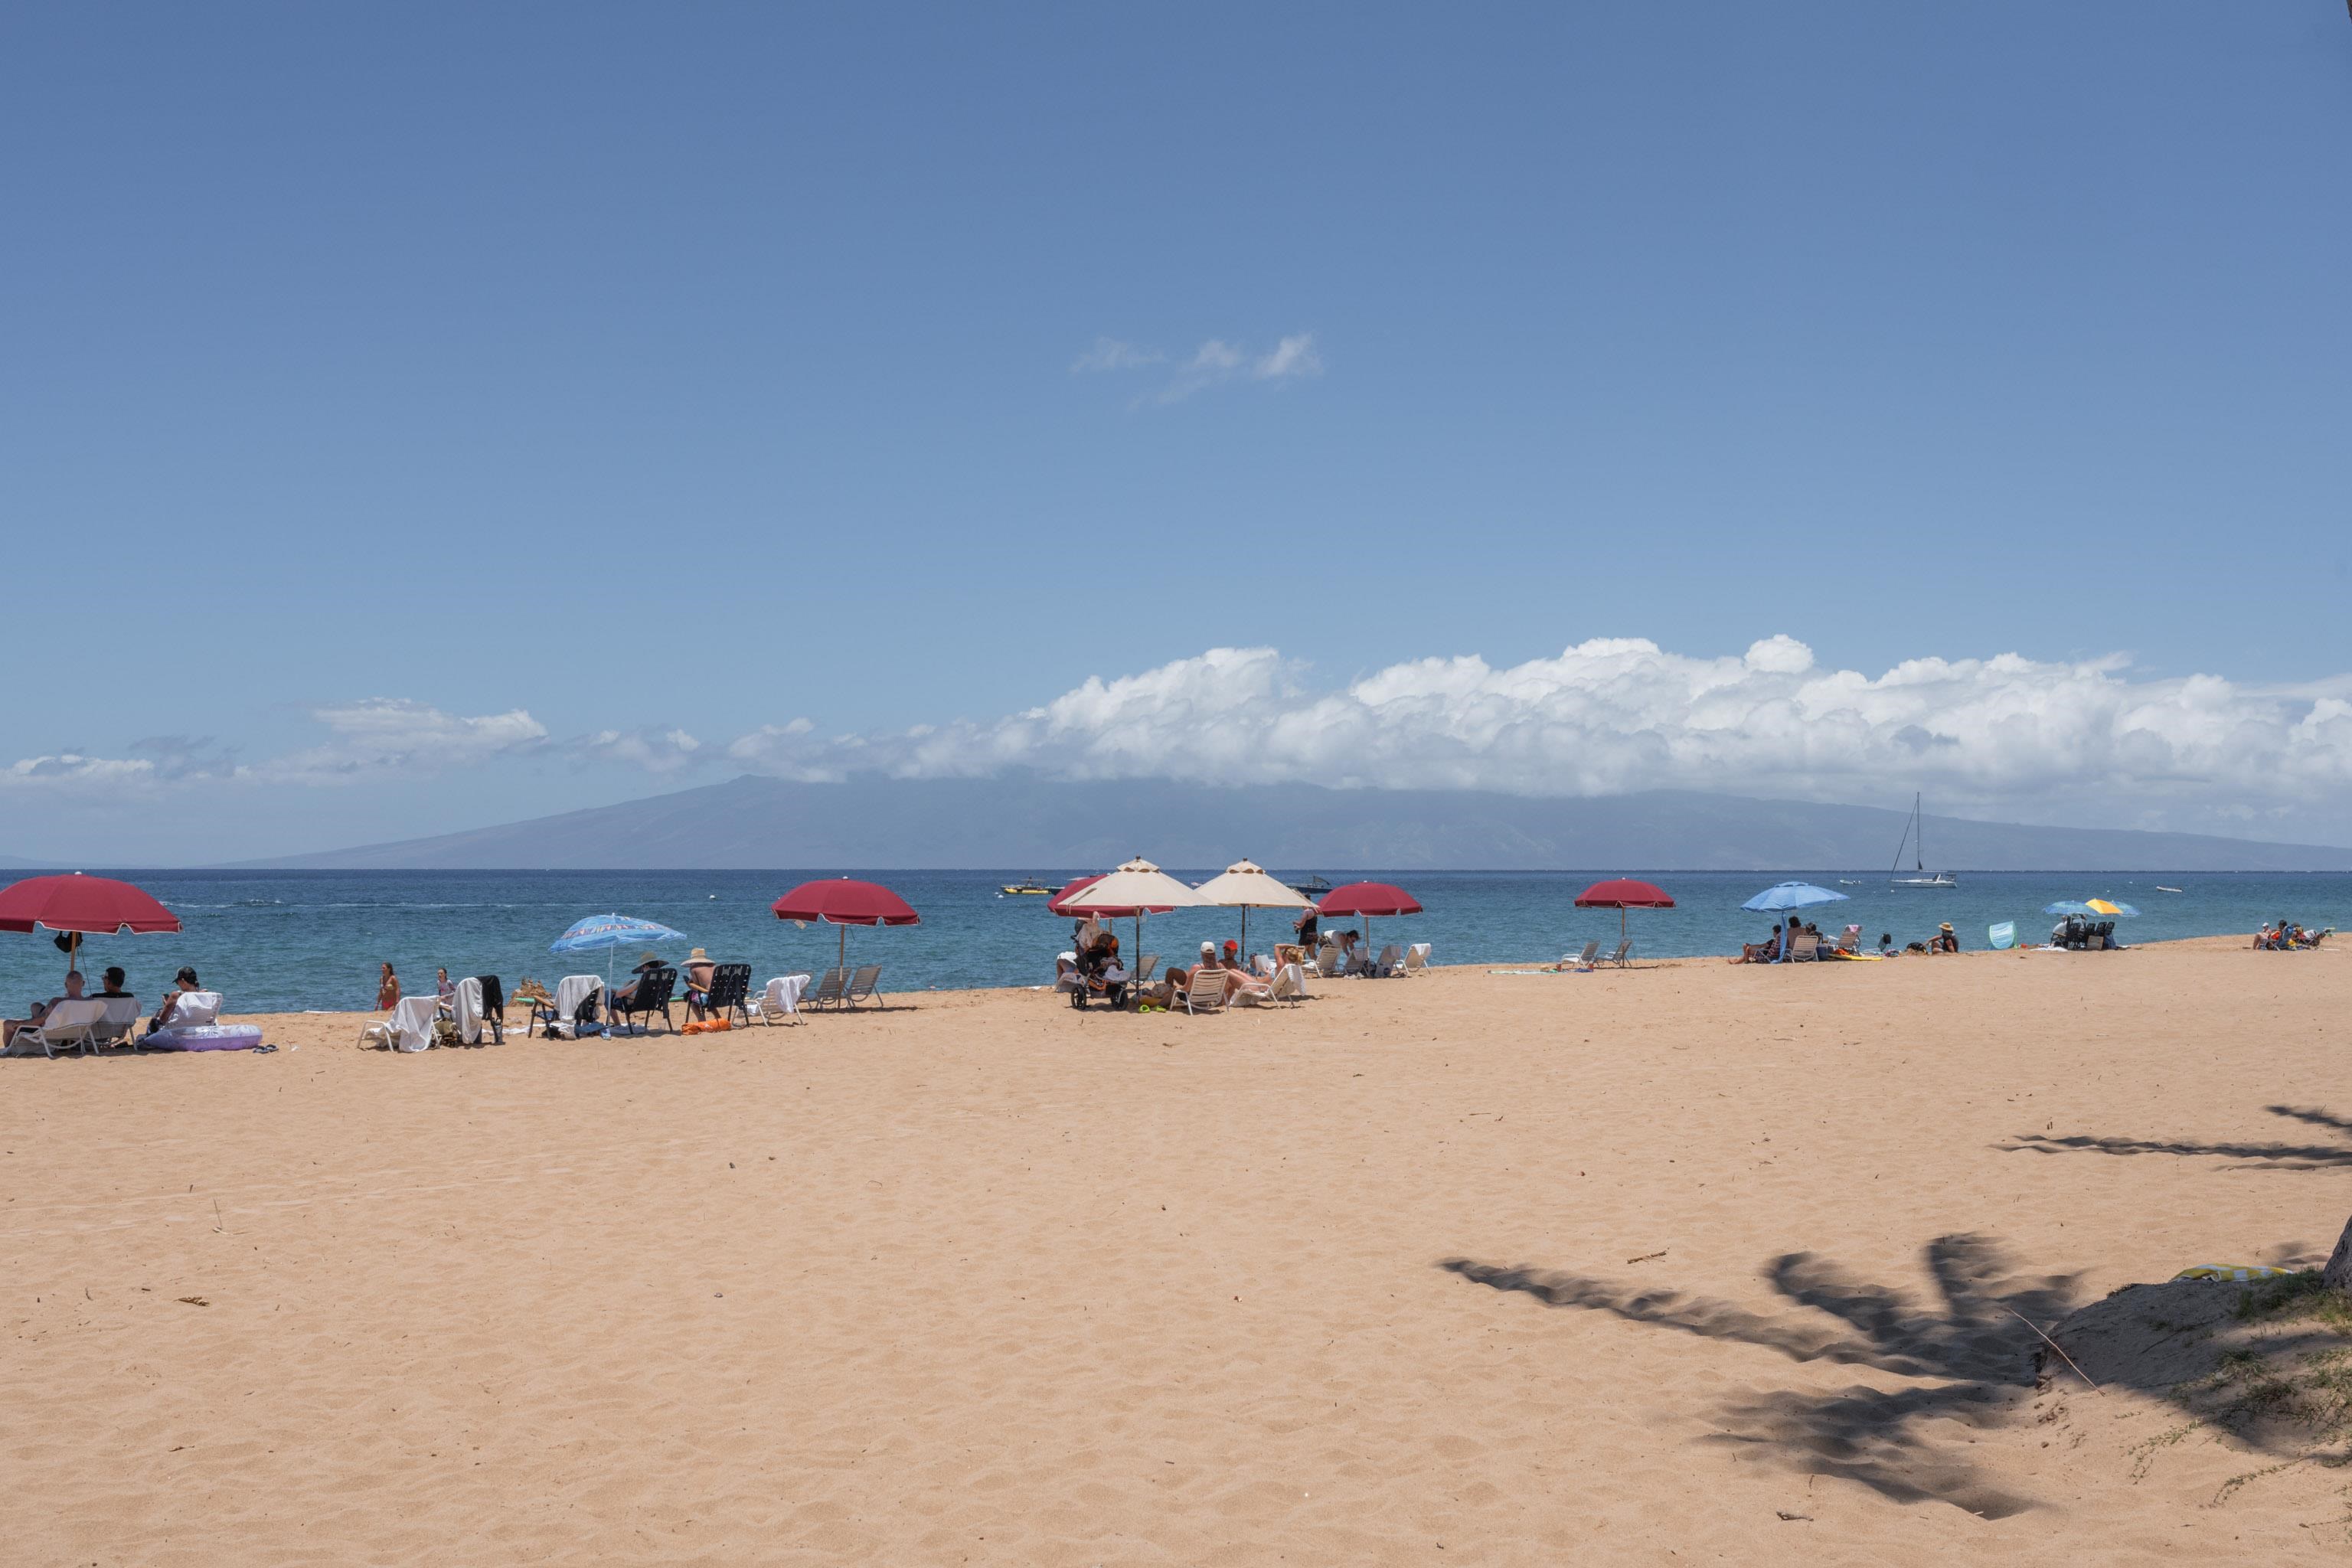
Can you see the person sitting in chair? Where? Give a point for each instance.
(40, 1010)
(1763, 952)
(647, 963)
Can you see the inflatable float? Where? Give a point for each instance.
(204, 1038)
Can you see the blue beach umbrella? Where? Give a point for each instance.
(1790, 896)
(609, 931)
(2067, 906)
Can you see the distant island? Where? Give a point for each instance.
(1021, 820)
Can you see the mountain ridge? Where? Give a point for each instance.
(881, 823)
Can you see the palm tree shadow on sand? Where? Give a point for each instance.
(1980, 1357)
(2255, 1156)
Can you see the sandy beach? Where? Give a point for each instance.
(1693, 1262)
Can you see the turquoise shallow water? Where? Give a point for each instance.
(287, 941)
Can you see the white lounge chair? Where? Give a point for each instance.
(1327, 959)
(780, 1000)
(1624, 952)
(1585, 959)
(1416, 958)
(1805, 949)
(1205, 991)
(1390, 962)
(1290, 983)
(68, 1025)
(122, 1018)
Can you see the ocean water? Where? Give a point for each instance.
(287, 941)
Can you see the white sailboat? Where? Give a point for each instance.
(1914, 837)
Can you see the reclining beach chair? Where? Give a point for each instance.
(782, 999)
(1624, 952)
(482, 1003)
(68, 1025)
(1290, 983)
(1327, 959)
(1416, 958)
(1205, 991)
(861, 986)
(1585, 959)
(827, 992)
(1805, 948)
(115, 1028)
(730, 994)
(1390, 961)
(1852, 940)
(653, 990)
(1146, 970)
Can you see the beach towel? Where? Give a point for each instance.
(2237, 1273)
(2002, 936)
(468, 1010)
(784, 992)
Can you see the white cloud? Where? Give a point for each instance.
(385, 735)
(2006, 736)
(656, 750)
(1215, 363)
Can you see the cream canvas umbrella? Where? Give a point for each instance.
(1137, 889)
(1246, 886)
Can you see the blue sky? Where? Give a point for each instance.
(369, 373)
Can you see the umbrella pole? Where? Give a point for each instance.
(841, 960)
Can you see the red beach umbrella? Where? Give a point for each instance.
(1623, 893)
(845, 902)
(1367, 900)
(1054, 905)
(96, 906)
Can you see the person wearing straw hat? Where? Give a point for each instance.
(699, 971)
(1944, 940)
(649, 960)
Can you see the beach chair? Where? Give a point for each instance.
(1290, 983)
(1390, 962)
(653, 990)
(578, 1001)
(1146, 970)
(115, 1028)
(68, 1025)
(861, 986)
(827, 992)
(1205, 991)
(1621, 958)
(730, 994)
(782, 999)
(1805, 949)
(1416, 958)
(1327, 959)
(1851, 942)
(410, 1027)
(1585, 959)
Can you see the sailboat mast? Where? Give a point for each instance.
(1919, 820)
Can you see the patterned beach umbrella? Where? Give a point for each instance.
(606, 932)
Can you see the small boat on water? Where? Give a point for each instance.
(1025, 889)
(1915, 833)
(1314, 887)
(2162, 888)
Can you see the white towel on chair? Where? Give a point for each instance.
(467, 1012)
(412, 1023)
(570, 992)
(784, 993)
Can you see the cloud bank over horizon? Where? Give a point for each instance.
(2004, 736)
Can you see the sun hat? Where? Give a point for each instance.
(1946, 926)
(648, 956)
(1232, 946)
(698, 956)
(1208, 947)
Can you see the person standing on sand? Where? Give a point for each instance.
(1308, 925)
(388, 989)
